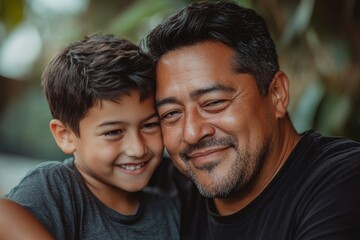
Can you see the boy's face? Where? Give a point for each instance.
(120, 145)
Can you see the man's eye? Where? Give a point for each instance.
(216, 105)
(170, 116)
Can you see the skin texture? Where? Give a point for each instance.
(14, 217)
(217, 128)
(112, 135)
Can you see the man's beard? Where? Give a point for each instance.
(244, 168)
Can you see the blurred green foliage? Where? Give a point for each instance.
(318, 43)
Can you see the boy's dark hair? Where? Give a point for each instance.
(95, 69)
(240, 28)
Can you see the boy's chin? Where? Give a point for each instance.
(136, 187)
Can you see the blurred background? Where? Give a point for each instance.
(318, 42)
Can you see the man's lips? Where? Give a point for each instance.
(206, 154)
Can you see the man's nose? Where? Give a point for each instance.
(196, 127)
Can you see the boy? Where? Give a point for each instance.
(101, 95)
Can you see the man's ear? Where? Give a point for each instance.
(279, 91)
(64, 137)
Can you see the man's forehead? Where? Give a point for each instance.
(194, 94)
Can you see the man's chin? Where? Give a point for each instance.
(212, 193)
(210, 189)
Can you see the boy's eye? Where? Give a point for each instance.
(113, 133)
(151, 126)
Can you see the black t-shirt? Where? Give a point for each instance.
(315, 195)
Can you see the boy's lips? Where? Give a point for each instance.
(133, 168)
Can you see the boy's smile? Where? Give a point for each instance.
(132, 167)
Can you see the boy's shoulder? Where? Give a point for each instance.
(46, 177)
(49, 191)
(53, 168)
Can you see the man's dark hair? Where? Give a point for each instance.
(240, 28)
(95, 69)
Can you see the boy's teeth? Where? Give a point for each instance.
(132, 167)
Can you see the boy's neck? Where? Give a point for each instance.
(123, 202)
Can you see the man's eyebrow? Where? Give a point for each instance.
(196, 94)
(214, 88)
(164, 101)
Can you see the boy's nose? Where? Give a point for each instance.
(135, 145)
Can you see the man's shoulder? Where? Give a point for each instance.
(330, 143)
(327, 189)
(327, 150)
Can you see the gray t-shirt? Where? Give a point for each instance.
(55, 193)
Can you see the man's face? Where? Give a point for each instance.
(216, 126)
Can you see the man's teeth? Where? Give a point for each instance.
(132, 167)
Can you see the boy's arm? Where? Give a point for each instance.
(17, 223)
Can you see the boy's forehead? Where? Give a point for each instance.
(99, 103)
(126, 107)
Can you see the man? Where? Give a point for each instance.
(222, 102)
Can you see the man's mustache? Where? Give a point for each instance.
(229, 141)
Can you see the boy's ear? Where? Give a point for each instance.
(63, 136)
(279, 91)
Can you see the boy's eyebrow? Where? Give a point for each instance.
(150, 116)
(196, 94)
(107, 123)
